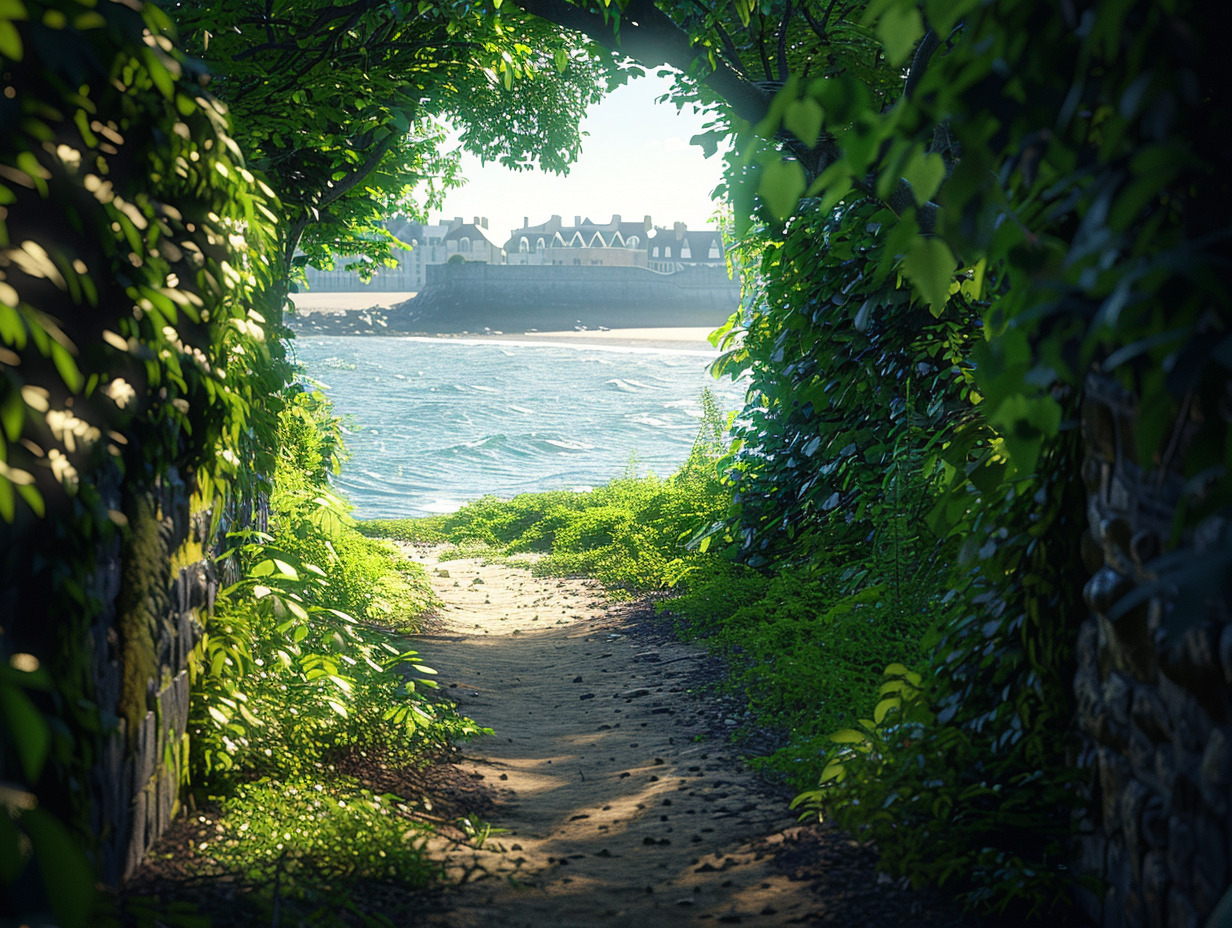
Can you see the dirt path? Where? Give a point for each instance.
(621, 806)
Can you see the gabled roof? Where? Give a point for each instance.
(473, 232)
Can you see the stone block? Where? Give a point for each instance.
(135, 846)
(1113, 909)
(1132, 801)
(1181, 912)
(1117, 694)
(1210, 851)
(1149, 713)
(1141, 754)
(1154, 822)
(1181, 846)
(1155, 886)
(1165, 766)
(1104, 589)
(1114, 776)
(146, 751)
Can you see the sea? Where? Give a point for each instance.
(432, 423)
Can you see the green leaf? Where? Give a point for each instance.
(10, 42)
(804, 119)
(924, 172)
(32, 737)
(899, 28)
(883, 708)
(848, 736)
(67, 875)
(930, 266)
(781, 185)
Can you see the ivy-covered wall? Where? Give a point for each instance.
(140, 371)
(1154, 707)
(143, 639)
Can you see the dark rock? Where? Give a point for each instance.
(1181, 913)
(1150, 714)
(1180, 851)
(1117, 692)
(1154, 889)
(1154, 822)
(1104, 589)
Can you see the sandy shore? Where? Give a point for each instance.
(667, 338)
(313, 301)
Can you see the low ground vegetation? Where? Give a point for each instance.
(302, 678)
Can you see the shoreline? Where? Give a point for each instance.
(366, 314)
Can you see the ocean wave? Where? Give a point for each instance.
(564, 445)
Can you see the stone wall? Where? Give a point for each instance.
(512, 298)
(1153, 687)
(137, 781)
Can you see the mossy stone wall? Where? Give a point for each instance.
(1154, 703)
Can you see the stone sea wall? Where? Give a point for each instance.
(1154, 705)
(472, 297)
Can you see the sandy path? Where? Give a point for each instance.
(621, 810)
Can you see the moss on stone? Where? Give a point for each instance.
(143, 595)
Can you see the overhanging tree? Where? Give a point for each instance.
(340, 105)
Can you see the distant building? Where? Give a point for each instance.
(677, 248)
(585, 243)
(473, 242)
(430, 244)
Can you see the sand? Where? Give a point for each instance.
(667, 338)
(314, 301)
(621, 808)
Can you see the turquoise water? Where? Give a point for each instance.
(435, 422)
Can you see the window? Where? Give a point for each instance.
(685, 251)
(524, 245)
(714, 251)
(464, 244)
(632, 242)
(667, 251)
(539, 246)
(655, 253)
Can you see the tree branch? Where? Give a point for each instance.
(649, 36)
(782, 52)
(919, 62)
(342, 187)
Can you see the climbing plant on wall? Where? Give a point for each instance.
(139, 340)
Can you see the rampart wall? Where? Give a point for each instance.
(1153, 687)
(475, 296)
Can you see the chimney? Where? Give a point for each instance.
(456, 224)
(680, 230)
(577, 221)
(647, 224)
(485, 222)
(615, 220)
(525, 222)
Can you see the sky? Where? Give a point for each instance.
(637, 160)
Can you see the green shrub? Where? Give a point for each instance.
(297, 666)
